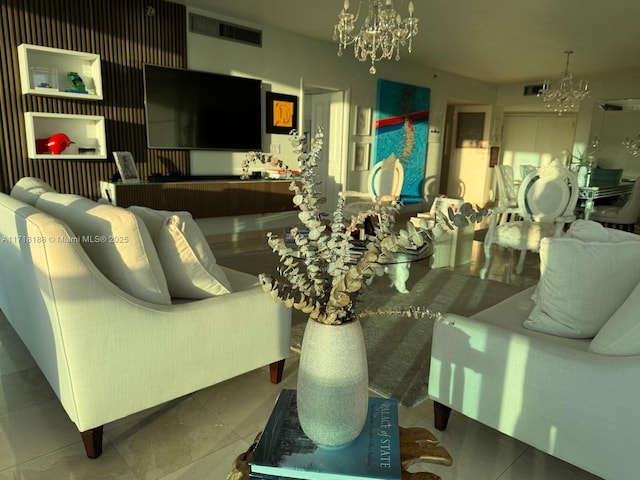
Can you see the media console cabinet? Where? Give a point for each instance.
(206, 198)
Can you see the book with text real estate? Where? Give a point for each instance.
(285, 451)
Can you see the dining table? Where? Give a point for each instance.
(592, 193)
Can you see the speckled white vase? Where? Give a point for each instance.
(333, 383)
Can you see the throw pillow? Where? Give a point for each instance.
(116, 242)
(588, 230)
(621, 334)
(188, 263)
(29, 189)
(582, 284)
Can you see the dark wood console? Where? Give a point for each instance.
(212, 198)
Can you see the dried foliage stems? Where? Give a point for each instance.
(264, 158)
(317, 275)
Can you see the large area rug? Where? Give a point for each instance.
(398, 347)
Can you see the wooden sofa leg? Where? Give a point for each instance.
(440, 415)
(276, 369)
(92, 440)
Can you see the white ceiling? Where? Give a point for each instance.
(497, 41)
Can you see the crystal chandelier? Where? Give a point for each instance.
(632, 146)
(381, 35)
(568, 95)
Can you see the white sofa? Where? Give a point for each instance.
(556, 366)
(102, 326)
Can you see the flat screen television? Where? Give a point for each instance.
(188, 109)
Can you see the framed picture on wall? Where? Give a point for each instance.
(282, 113)
(126, 167)
(362, 124)
(361, 156)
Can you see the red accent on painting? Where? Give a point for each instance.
(413, 117)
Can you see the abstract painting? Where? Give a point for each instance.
(402, 128)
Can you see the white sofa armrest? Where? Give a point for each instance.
(563, 400)
(108, 354)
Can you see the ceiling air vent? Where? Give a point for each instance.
(219, 29)
(532, 89)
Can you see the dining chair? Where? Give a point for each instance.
(384, 185)
(507, 192)
(621, 217)
(546, 202)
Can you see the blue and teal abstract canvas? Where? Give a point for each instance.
(402, 128)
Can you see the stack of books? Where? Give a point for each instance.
(284, 452)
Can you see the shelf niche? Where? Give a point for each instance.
(51, 66)
(85, 131)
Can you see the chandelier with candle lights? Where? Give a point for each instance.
(568, 95)
(381, 35)
(632, 145)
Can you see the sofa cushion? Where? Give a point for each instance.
(582, 283)
(187, 260)
(620, 335)
(29, 189)
(116, 241)
(588, 230)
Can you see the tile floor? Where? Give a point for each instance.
(198, 436)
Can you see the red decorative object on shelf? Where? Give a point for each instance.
(56, 144)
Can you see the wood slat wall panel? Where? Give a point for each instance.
(126, 38)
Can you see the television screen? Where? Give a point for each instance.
(187, 109)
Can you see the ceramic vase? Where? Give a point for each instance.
(333, 382)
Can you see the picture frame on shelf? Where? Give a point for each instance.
(362, 124)
(126, 167)
(282, 113)
(361, 156)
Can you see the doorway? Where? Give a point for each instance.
(528, 138)
(536, 139)
(465, 163)
(329, 109)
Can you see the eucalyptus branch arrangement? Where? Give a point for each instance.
(317, 274)
(264, 158)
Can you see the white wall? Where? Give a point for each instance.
(606, 86)
(287, 61)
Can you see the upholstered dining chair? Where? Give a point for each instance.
(624, 217)
(547, 199)
(507, 193)
(384, 185)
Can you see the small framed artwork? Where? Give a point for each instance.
(282, 113)
(361, 154)
(126, 167)
(362, 125)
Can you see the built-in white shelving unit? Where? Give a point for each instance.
(43, 71)
(85, 131)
